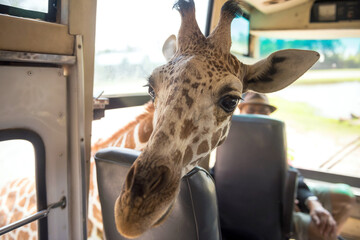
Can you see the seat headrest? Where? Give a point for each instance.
(249, 174)
(194, 215)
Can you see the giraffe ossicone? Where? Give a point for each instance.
(195, 94)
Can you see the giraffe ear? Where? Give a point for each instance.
(278, 70)
(169, 47)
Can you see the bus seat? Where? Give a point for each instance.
(251, 175)
(195, 213)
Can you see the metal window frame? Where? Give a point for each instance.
(50, 16)
(40, 172)
(330, 177)
(121, 101)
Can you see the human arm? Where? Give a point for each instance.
(303, 191)
(321, 217)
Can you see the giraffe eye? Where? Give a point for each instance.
(229, 103)
(151, 92)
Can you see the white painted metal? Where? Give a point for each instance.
(78, 167)
(35, 98)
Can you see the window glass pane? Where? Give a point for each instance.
(17, 187)
(240, 31)
(34, 5)
(129, 40)
(322, 109)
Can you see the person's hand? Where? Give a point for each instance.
(322, 218)
(296, 206)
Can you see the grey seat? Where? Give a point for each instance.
(255, 190)
(195, 213)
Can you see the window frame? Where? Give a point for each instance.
(330, 177)
(40, 169)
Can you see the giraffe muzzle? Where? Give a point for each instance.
(147, 198)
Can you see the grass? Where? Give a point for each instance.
(303, 117)
(325, 80)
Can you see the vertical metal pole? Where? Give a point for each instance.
(78, 201)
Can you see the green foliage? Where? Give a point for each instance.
(331, 50)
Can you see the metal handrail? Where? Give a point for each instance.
(36, 216)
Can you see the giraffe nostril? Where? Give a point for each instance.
(130, 178)
(157, 180)
(155, 183)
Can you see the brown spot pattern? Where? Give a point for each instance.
(145, 130)
(97, 213)
(221, 118)
(189, 101)
(129, 142)
(179, 111)
(161, 137)
(203, 147)
(89, 227)
(187, 128)
(196, 139)
(3, 190)
(2, 218)
(221, 141)
(177, 156)
(22, 202)
(17, 215)
(225, 130)
(33, 226)
(187, 155)
(195, 85)
(205, 130)
(215, 138)
(23, 235)
(172, 128)
(22, 190)
(10, 200)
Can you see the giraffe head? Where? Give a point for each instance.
(194, 95)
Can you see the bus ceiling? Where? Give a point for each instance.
(300, 19)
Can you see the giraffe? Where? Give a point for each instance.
(194, 96)
(18, 198)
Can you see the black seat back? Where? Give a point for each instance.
(194, 215)
(250, 173)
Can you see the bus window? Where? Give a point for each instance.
(37, 5)
(322, 109)
(129, 43)
(240, 35)
(17, 186)
(37, 9)
(11, 158)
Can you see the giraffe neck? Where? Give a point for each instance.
(134, 135)
(18, 200)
